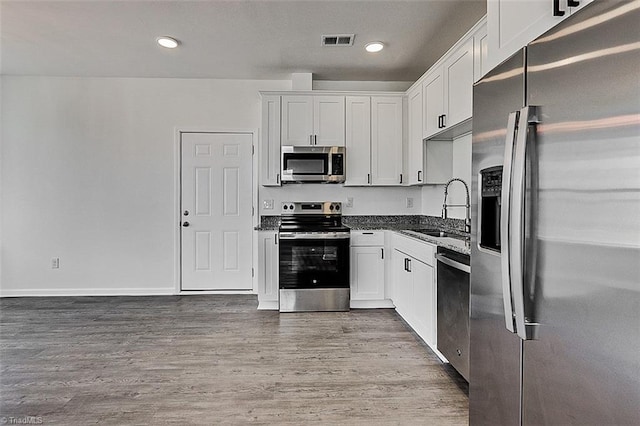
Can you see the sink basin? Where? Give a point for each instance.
(441, 234)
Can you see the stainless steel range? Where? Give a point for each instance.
(314, 258)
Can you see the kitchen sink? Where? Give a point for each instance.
(441, 234)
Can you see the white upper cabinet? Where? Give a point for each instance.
(313, 120)
(374, 140)
(358, 140)
(448, 90)
(386, 140)
(480, 53)
(415, 143)
(458, 85)
(297, 120)
(270, 142)
(433, 95)
(511, 25)
(328, 120)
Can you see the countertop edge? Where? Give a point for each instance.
(448, 243)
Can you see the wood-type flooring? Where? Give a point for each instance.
(215, 359)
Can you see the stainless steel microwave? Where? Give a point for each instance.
(313, 164)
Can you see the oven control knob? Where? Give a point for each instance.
(285, 207)
(338, 207)
(291, 206)
(331, 207)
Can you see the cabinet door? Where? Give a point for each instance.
(386, 140)
(367, 273)
(297, 120)
(358, 140)
(270, 143)
(267, 270)
(511, 25)
(415, 143)
(480, 53)
(328, 120)
(402, 285)
(433, 96)
(458, 81)
(423, 302)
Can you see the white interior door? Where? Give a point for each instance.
(216, 207)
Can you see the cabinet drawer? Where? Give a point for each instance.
(417, 249)
(367, 238)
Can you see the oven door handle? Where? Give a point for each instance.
(314, 236)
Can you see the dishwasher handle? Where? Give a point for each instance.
(454, 264)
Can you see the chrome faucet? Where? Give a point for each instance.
(467, 220)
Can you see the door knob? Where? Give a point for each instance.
(185, 224)
(186, 213)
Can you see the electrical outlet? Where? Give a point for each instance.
(55, 263)
(349, 202)
(409, 202)
(267, 204)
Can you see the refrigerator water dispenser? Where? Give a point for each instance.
(489, 217)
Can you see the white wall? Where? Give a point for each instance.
(433, 195)
(88, 176)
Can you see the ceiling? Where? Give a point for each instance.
(264, 39)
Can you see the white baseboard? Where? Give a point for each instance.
(268, 305)
(371, 304)
(196, 292)
(46, 292)
(161, 291)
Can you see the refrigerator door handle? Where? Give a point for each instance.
(528, 115)
(505, 214)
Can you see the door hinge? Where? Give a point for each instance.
(253, 149)
(253, 211)
(253, 273)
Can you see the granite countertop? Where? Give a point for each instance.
(458, 245)
(405, 225)
(269, 227)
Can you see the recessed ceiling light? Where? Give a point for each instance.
(168, 42)
(374, 46)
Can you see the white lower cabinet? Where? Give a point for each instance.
(402, 284)
(268, 270)
(414, 290)
(368, 270)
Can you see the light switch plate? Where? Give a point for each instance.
(267, 204)
(349, 202)
(409, 202)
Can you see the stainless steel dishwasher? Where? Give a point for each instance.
(453, 308)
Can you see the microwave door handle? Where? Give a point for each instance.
(505, 213)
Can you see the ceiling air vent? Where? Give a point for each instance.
(338, 40)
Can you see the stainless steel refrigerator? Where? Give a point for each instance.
(555, 275)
